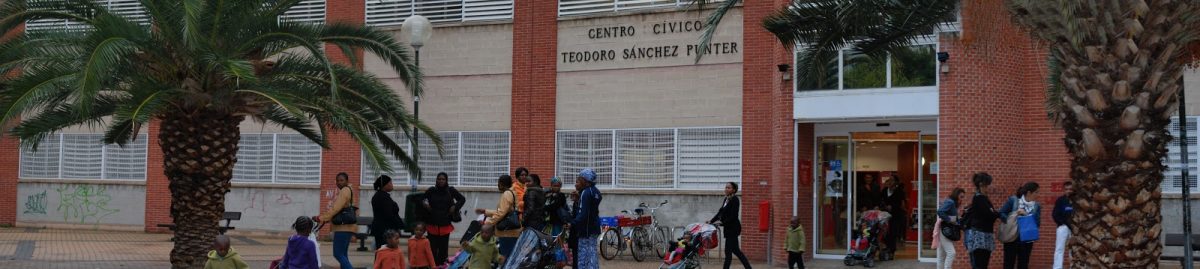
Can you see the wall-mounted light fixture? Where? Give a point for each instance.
(783, 68)
(943, 57)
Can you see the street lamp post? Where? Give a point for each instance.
(419, 31)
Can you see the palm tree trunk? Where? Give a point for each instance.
(199, 151)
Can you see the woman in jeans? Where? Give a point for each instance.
(980, 219)
(948, 213)
(507, 204)
(341, 232)
(443, 203)
(1023, 203)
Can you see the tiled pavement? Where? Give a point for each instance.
(85, 249)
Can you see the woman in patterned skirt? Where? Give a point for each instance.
(980, 219)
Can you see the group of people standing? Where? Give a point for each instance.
(889, 197)
(978, 230)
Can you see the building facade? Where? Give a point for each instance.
(615, 85)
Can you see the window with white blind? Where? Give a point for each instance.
(683, 158)
(584, 7)
(130, 9)
(468, 158)
(309, 11)
(1173, 176)
(393, 12)
(277, 158)
(84, 156)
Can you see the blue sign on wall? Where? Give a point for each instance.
(835, 165)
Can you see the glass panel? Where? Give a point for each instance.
(833, 164)
(824, 77)
(913, 67)
(929, 194)
(862, 71)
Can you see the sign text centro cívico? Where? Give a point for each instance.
(645, 40)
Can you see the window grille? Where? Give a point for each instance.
(646, 158)
(683, 158)
(393, 12)
(485, 156)
(130, 9)
(577, 150)
(469, 159)
(84, 156)
(297, 159)
(254, 158)
(308, 11)
(1173, 176)
(583, 7)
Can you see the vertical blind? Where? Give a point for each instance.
(84, 156)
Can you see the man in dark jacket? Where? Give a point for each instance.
(1062, 216)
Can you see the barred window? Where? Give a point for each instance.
(684, 158)
(400, 172)
(394, 12)
(1173, 177)
(84, 156)
(468, 159)
(129, 9)
(585, 7)
(277, 158)
(309, 11)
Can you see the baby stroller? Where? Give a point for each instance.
(685, 254)
(868, 240)
(542, 252)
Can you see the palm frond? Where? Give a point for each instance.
(710, 24)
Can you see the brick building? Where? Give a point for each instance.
(556, 86)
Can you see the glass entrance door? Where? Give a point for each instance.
(832, 168)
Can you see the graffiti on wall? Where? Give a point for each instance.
(36, 203)
(84, 203)
(258, 202)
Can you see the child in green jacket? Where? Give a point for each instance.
(795, 244)
(483, 249)
(223, 257)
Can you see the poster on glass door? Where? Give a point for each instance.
(834, 183)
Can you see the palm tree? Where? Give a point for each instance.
(199, 68)
(1117, 70)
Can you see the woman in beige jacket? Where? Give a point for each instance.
(508, 202)
(341, 232)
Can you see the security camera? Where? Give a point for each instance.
(943, 56)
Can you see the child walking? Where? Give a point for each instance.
(795, 244)
(420, 255)
(390, 256)
(301, 253)
(223, 256)
(483, 249)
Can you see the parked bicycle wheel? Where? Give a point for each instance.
(641, 243)
(610, 244)
(660, 241)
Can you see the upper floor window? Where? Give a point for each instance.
(584, 7)
(394, 12)
(850, 69)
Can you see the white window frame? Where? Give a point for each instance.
(587, 7)
(469, 11)
(275, 156)
(368, 173)
(140, 141)
(615, 164)
(1172, 161)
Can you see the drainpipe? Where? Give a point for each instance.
(1187, 192)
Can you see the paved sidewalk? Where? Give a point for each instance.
(86, 249)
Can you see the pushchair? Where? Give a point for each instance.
(541, 251)
(868, 240)
(685, 254)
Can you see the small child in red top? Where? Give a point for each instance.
(419, 252)
(390, 257)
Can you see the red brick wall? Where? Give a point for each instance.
(992, 119)
(344, 154)
(158, 192)
(10, 163)
(767, 134)
(534, 82)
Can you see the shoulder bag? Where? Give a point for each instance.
(1008, 229)
(347, 215)
(511, 221)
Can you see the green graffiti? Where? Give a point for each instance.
(84, 203)
(36, 203)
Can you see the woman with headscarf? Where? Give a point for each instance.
(386, 211)
(443, 203)
(586, 224)
(557, 209)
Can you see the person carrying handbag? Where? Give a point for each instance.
(503, 217)
(344, 216)
(1023, 214)
(443, 203)
(948, 229)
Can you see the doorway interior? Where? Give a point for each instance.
(851, 170)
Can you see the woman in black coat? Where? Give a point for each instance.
(387, 213)
(443, 203)
(729, 217)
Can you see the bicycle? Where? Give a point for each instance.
(616, 239)
(659, 238)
